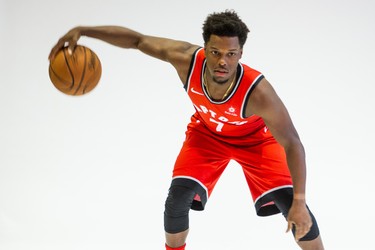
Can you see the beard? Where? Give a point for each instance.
(220, 81)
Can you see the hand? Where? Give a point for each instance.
(299, 217)
(69, 39)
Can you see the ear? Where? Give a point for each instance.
(241, 51)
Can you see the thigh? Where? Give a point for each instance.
(201, 162)
(265, 168)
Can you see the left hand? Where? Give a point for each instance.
(69, 39)
(299, 217)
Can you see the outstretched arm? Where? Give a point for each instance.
(178, 53)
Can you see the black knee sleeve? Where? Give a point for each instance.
(177, 206)
(314, 230)
(283, 202)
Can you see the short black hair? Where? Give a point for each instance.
(225, 23)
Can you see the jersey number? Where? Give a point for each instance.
(219, 126)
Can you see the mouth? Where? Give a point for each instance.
(220, 73)
(221, 76)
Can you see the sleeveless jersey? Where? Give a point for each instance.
(226, 117)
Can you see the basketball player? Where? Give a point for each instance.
(238, 117)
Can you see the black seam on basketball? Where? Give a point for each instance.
(83, 72)
(56, 75)
(70, 70)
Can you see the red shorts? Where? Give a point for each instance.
(205, 155)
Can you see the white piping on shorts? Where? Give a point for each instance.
(271, 190)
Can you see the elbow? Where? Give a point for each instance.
(294, 146)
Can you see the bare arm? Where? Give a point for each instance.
(178, 53)
(265, 103)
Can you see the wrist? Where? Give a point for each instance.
(299, 196)
(80, 30)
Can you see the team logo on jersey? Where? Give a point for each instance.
(231, 111)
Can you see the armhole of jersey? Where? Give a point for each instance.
(249, 91)
(191, 67)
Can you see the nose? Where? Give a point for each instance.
(222, 61)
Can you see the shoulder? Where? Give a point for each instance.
(197, 58)
(262, 98)
(185, 62)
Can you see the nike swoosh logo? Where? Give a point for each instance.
(196, 92)
(265, 129)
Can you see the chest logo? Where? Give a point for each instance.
(231, 111)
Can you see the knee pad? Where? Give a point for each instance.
(284, 202)
(177, 206)
(314, 230)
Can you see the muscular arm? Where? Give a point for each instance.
(265, 103)
(178, 53)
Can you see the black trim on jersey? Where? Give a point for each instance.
(247, 97)
(239, 75)
(193, 58)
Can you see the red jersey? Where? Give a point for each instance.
(220, 132)
(226, 117)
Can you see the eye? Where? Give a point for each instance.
(215, 53)
(230, 54)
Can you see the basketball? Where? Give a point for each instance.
(77, 73)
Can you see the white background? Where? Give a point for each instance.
(92, 172)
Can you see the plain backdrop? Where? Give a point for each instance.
(92, 172)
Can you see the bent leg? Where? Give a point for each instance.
(176, 215)
(312, 240)
(200, 163)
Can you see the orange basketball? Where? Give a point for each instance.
(77, 73)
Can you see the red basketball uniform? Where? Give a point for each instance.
(220, 132)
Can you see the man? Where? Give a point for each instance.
(238, 117)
